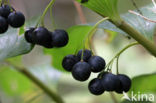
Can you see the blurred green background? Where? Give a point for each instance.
(16, 88)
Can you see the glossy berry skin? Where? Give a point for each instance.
(5, 10)
(125, 83)
(42, 36)
(95, 87)
(69, 61)
(110, 82)
(29, 35)
(86, 54)
(97, 63)
(3, 25)
(81, 71)
(60, 38)
(16, 19)
(48, 43)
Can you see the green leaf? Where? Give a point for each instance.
(103, 7)
(143, 26)
(12, 82)
(21, 30)
(108, 26)
(76, 37)
(144, 83)
(13, 45)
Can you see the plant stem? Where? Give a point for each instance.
(52, 19)
(113, 97)
(38, 82)
(117, 65)
(44, 13)
(119, 53)
(92, 31)
(147, 44)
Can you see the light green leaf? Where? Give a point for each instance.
(12, 82)
(144, 84)
(21, 30)
(106, 8)
(76, 37)
(12, 45)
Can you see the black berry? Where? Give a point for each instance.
(3, 25)
(29, 35)
(42, 36)
(125, 83)
(86, 54)
(60, 38)
(48, 44)
(110, 82)
(95, 87)
(16, 19)
(81, 71)
(69, 61)
(5, 10)
(97, 63)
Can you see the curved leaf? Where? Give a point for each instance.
(12, 45)
(103, 7)
(143, 26)
(144, 83)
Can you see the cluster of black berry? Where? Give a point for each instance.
(83, 64)
(109, 82)
(46, 38)
(8, 16)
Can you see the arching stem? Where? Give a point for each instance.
(38, 82)
(44, 13)
(119, 53)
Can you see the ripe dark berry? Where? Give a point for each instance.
(125, 83)
(29, 35)
(69, 61)
(42, 36)
(5, 10)
(95, 87)
(81, 71)
(60, 38)
(86, 54)
(3, 25)
(48, 44)
(16, 19)
(110, 82)
(97, 63)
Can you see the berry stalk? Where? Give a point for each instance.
(119, 53)
(44, 13)
(92, 31)
(52, 19)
